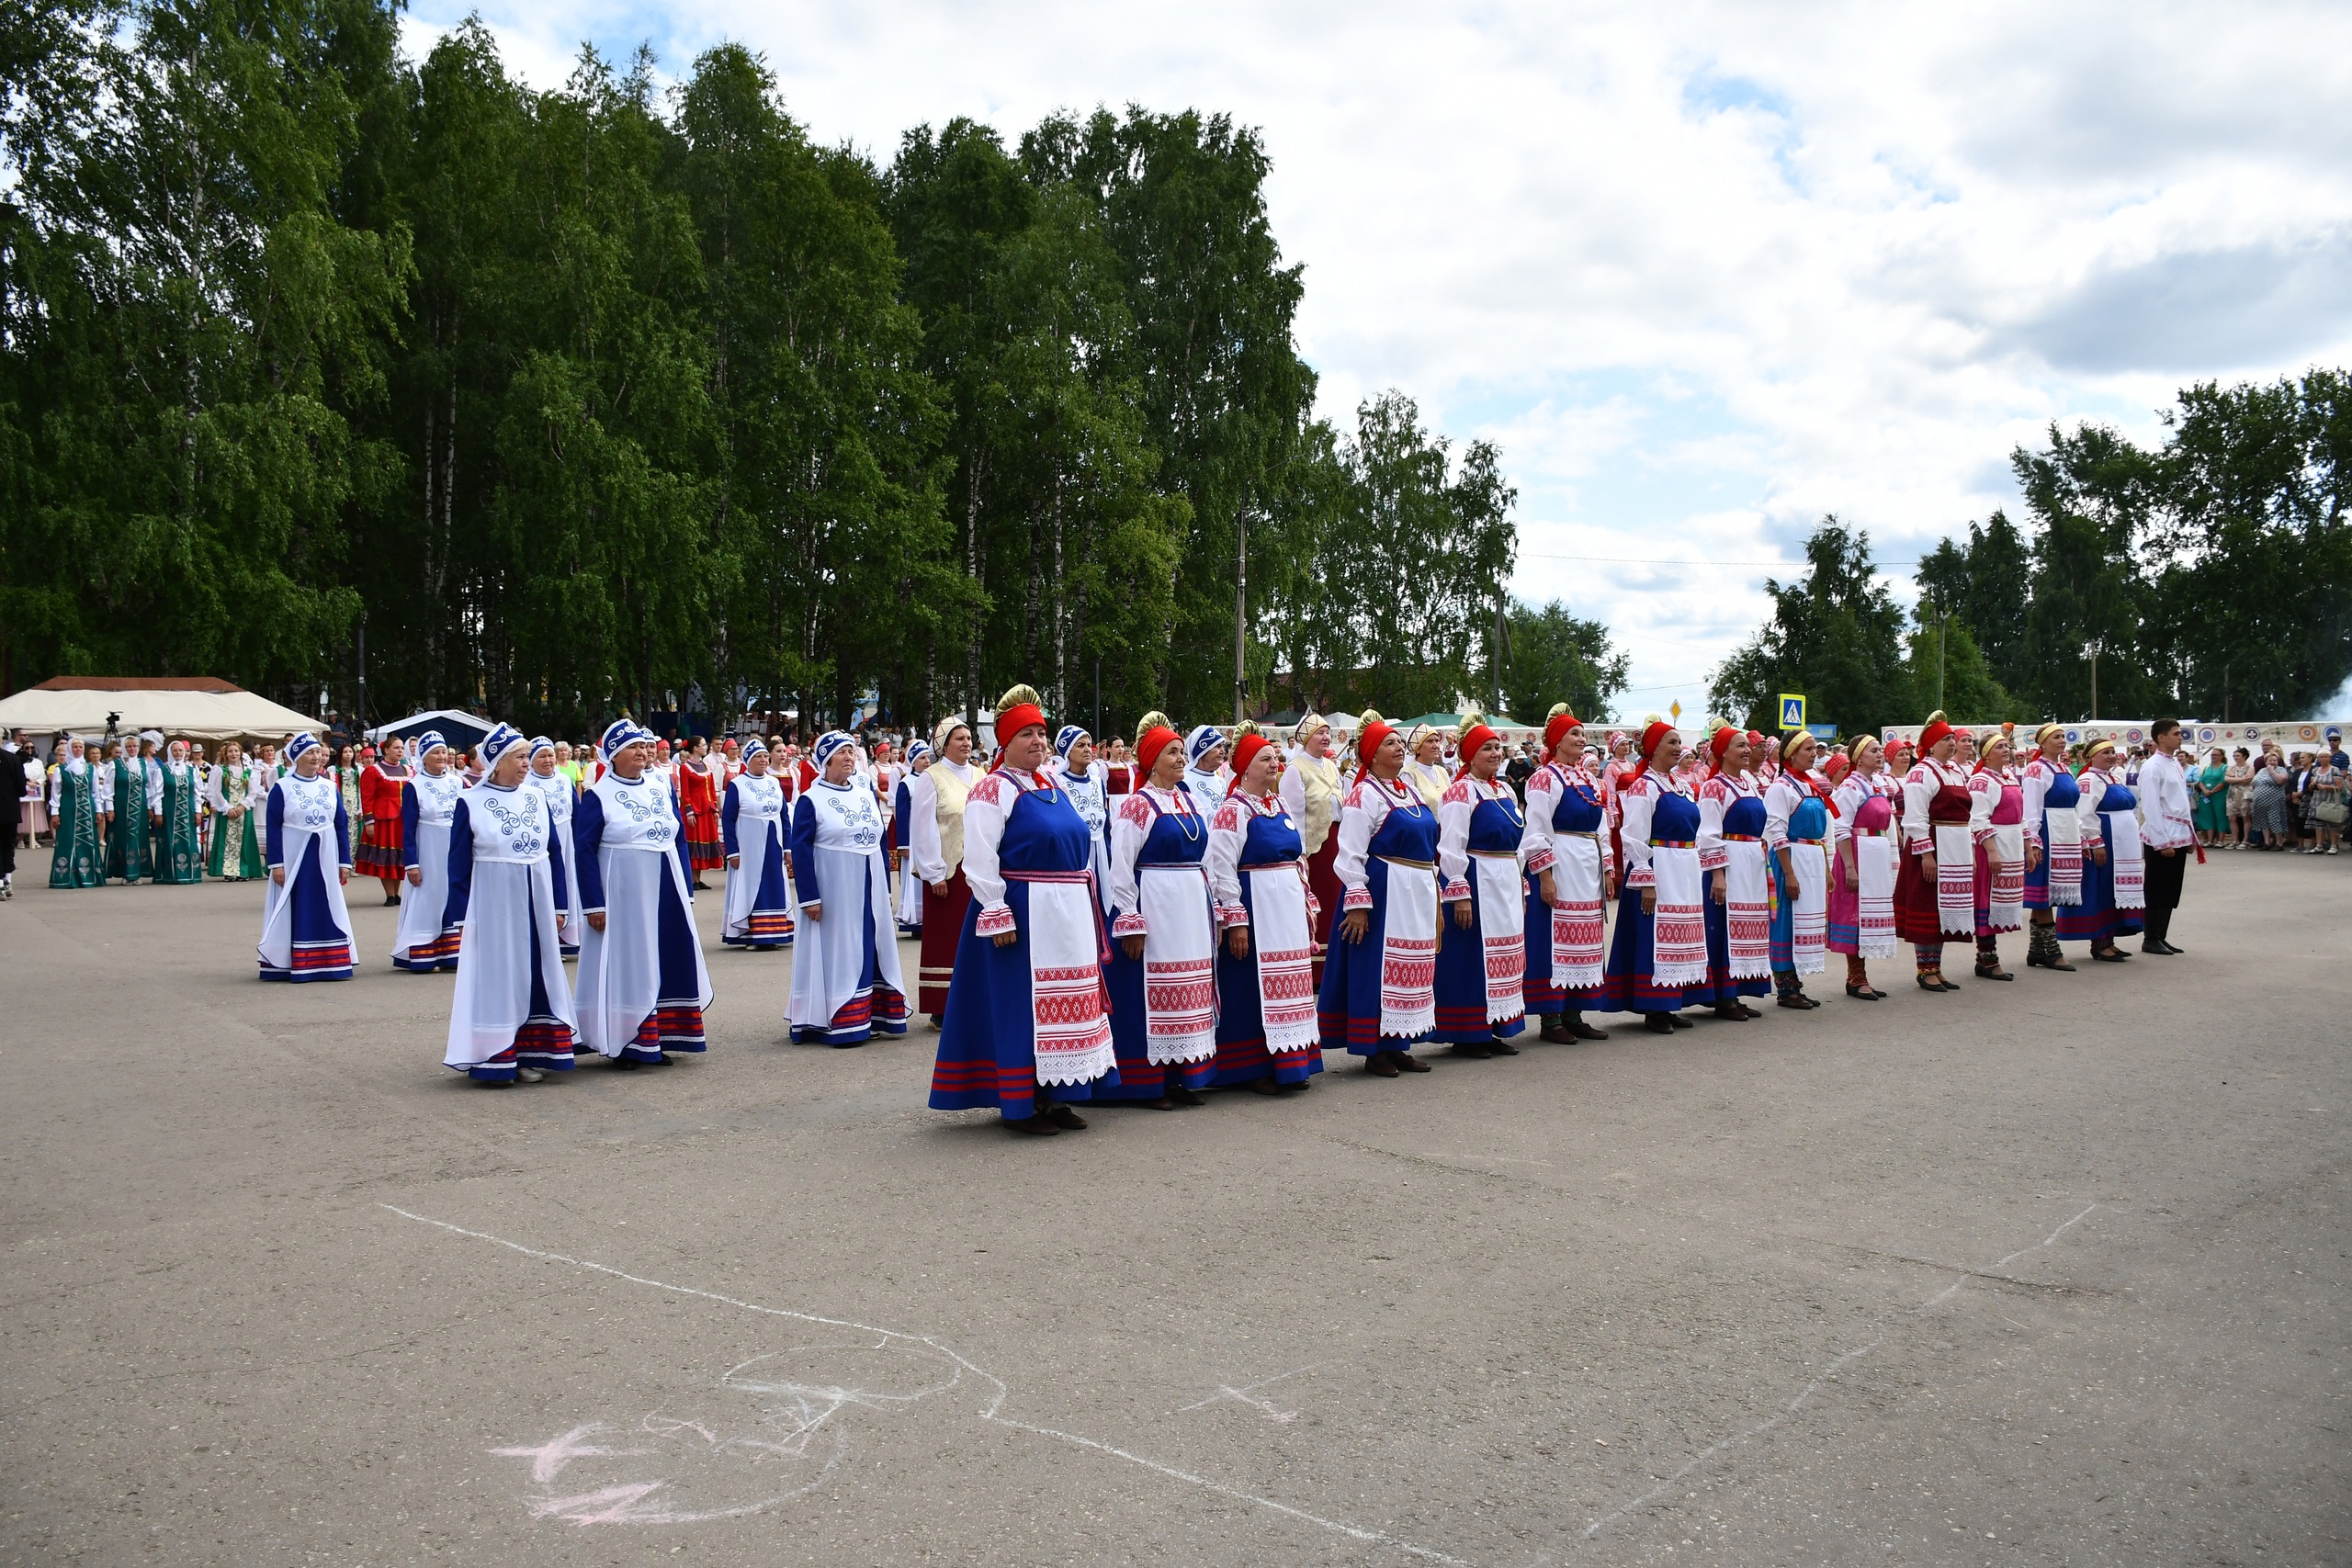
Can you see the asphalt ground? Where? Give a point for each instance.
(2046, 1273)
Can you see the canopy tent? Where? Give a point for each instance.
(464, 730)
(183, 707)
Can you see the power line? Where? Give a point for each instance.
(1642, 560)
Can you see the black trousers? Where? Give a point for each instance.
(2165, 874)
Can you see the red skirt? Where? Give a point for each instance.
(379, 853)
(942, 930)
(1916, 917)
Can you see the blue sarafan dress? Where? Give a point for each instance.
(2114, 890)
(1565, 819)
(2052, 797)
(642, 984)
(305, 930)
(1657, 962)
(1026, 1020)
(512, 1007)
(845, 979)
(1482, 972)
(1265, 1017)
(759, 905)
(1743, 832)
(1163, 1005)
(1380, 994)
(1800, 905)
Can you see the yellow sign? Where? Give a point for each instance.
(1792, 710)
(1675, 707)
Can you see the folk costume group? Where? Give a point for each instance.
(1218, 913)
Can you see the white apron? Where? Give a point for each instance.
(2062, 833)
(620, 966)
(1502, 919)
(759, 806)
(828, 955)
(1579, 957)
(1874, 895)
(513, 892)
(1747, 909)
(1408, 951)
(1283, 942)
(1955, 879)
(1178, 962)
(1809, 921)
(422, 907)
(1679, 935)
(1072, 1039)
(2005, 908)
(2126, 858)
(305, 819)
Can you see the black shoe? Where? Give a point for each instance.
(1381, 1064)
(1180, 1094)
(1584, 1031)
(2158, 946)
(1502, 1047)
(1798, 1000)
(1035, 1126)
(1264, 1085)
(1658, 1023)
(1062, 1116)
(1477, 1053)
(2109, 956)
(1994, 973)
(1732, 1012)
(1865, 993)
(1676, 1020)
(1409, 1062)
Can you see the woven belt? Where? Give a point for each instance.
(1270, 865)
(1674, 843)
(1741, 838)
(1494, 854)
(1797, 840)
(1577, 833)
(1415, 865)
(1052, 875)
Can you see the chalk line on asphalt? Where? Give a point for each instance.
(990, 1413)
(1703, 1455)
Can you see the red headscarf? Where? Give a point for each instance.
(1654, 737)
(1369, 742)
(1929, 736)
(1149, 745)
(1015, 719)
(1561, 723)
(1244, 749)
(1477, 735)
(1721, 743)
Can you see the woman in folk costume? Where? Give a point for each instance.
(76, 860)
(127, 833)
(1569, 880)
(2114, 871)
(1796, 836)
(382, 784)
(759, 890)
(643, 985)
(1378, 998)
(2055, 880)
(1425, 767)
(179, 856)
(1267, 1035)
(1935, 887)
(698, 792)
(1311, 794)
(1119, 776)
(1027, 1026)
(845, 981)
(305, 930)
(1204, 780)
(424, 939)
(1738, 907)
(1162, 974)
(938, 801)
(1861, 875)
(2007, 845)
(544, 777)
(1658, 956)
(1481, 977)
(1084, 779)
(510, 1015)
(902, 827)
(236, 793)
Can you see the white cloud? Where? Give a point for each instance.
(1704, 273)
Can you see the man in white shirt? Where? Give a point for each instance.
(2168, 831)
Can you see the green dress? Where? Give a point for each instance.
(178, 857)
(76, 862)
(2213, 811)
(126, 843)
(236, 841)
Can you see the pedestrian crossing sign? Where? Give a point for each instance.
(1792, 710)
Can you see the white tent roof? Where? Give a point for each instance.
(449, 721)
(206, 712)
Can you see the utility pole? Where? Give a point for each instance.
(2092, 648)
(363, 674)
(1240, 613)
(1502, 634)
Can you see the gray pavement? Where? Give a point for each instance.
(2048, 1272)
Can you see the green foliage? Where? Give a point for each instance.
(588, 400)
(1837, 638)
(1555, 657)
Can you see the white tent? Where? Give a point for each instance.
(194, 707)
(459, 728)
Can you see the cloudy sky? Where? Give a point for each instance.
(1703, 273)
